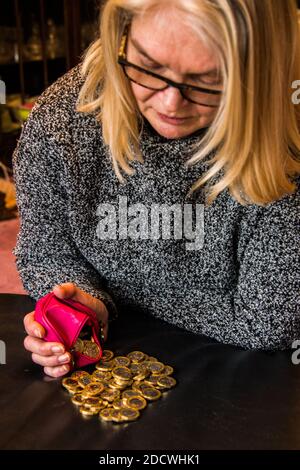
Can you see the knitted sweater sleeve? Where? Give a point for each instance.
(268, 293)
(46, 253)
(262, 311)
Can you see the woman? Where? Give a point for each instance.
(183, 108)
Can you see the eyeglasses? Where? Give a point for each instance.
(147, 79)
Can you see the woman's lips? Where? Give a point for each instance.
(174, 121)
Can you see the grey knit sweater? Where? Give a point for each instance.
(236, 281)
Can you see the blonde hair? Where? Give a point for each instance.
(254, 136)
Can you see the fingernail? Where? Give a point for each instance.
(64, 369)
(64, 358)
(38, 333)
(57, 349)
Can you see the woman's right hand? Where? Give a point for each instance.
(52, 356)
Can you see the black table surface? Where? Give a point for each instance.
(226, 397)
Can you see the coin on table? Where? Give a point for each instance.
(129, 393)
(136, 403)
(73, 391)
(97, 408)
(105, 366)
(106, 414)
(117, 404)
(121, 361)
(150, 393)
(152, 380)
(77, 399)
(115, 415)
(90, 349)
(136, 356)
(94, 389)
(117, 386)
(101, 375)
(139, 371)
(84, 380)
(128, 414)
(168, 370)
(86, 411)
(68, 383)
(122, 373)
(91, 401)
(110, 395)
(107, 355)
(79, 373)
(152, 359)
(166, 382)
(155, 367)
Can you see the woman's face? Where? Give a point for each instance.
(168, 47)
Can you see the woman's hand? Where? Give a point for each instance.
(53, 356)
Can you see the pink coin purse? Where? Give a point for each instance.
(64, 322)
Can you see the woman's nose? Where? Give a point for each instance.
(172, 99)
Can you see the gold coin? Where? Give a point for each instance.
(136, 403)
(117, 386)
(96, 409)
(79, 373)
(77, 399)
(73, 391)
(117, 404)
(122, 373)
(152, 380)
(136, 356)
(139, 371)
(86, 411)
(150, 393)
(107, 355)
(110, 395)
(168, 370)
(90, 349)
(155, 367)
(94, 389)
(115, 415)
(104, 365)
(121, 361)
(128, 414)
(78, 346)
(152, 359)
(138, 386)
(121, 383)
(91, 401)
(68, 383)
(101, 375)
(166, 382)
(129, 393)
(106, 414)
(84, 380)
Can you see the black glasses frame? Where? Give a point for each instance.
(122, 60)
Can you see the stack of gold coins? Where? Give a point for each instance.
(120, 387)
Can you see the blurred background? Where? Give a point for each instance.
(40, 40)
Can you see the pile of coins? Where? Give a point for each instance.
(85, 343)
(120, 387)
